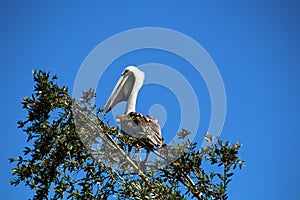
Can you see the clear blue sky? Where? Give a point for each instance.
(255, 45)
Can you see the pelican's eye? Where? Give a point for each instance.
(125, 71)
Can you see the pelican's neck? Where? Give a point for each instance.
(131, 103)
(138, 82)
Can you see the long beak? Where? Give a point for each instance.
(120, 93)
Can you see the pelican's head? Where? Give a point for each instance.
(127, 87)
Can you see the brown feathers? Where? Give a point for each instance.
(143, 127)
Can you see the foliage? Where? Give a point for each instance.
(57, 164)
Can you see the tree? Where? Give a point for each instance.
(58, 164)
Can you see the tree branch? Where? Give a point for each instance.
(111, 142)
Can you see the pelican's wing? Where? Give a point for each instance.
(144, 127)
(155, 130)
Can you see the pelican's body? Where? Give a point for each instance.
(145, 128)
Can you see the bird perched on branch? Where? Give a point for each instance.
(144, 127)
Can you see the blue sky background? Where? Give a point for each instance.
(255, 45)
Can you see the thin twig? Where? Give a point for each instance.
(197, 194)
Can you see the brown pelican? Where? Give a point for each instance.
(145, 128)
